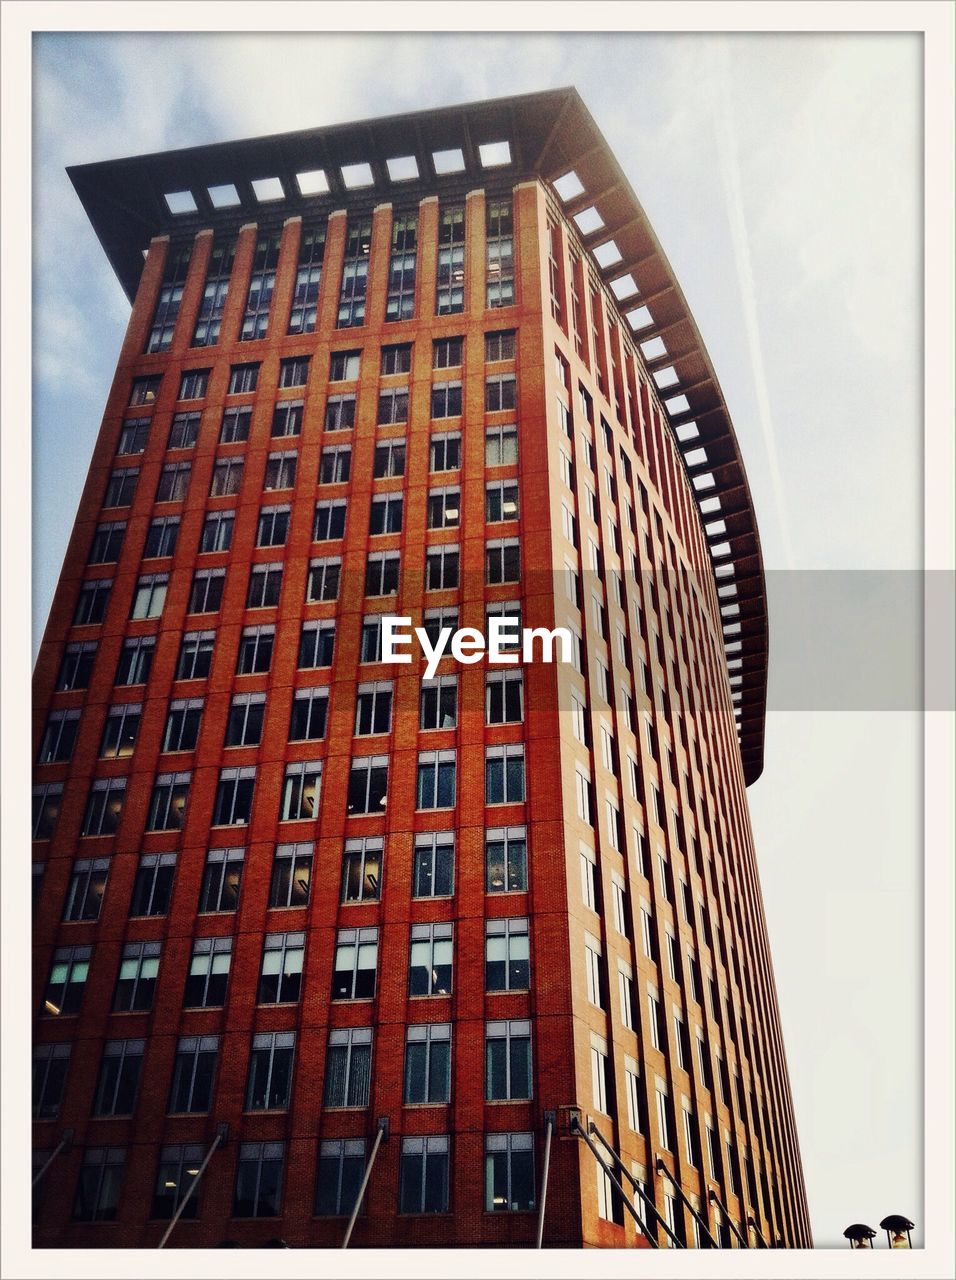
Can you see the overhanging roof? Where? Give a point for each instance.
(550, 135)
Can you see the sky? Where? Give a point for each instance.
(782, 175)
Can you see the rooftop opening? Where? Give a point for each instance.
(677, 404)
(695, 456)
(729, 610)
(687, 431)
(451, 161)
(402, 168)
(267, 189)
(733, 646)
(493, 154)
(639, 318)
(708, 505)
(224, 196)
(624, 287)
(607, 254)
(313, 182)
(588, 220)
(357, 175)
(715, 527)
(180, 202)
(720, 549)
(706, 481)
(653, 348)
(568, 186)
(724, 571)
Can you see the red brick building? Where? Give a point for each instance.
(299, 910)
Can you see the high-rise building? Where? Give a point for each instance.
(493, 938)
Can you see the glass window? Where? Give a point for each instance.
(506, 859)
(509, 1172)
(373, 708)
(59, 737)
(243, 378)
(396, 359)
(108, 542)
(430, 960)
(92, 601)
(309, 714)
(368, 785)
(98, 1187)
(434, 868)
(445, 451)
(120, 730)
(348, 1067)
(504, 697)
(340, 1171)
(133, 438)
(438, 703)
(153, 886)
(136, 980)
(436, 780)
(444, 508)
(255, 650)
(235, 425)
(294, 371)
(269, 1086)
(206, 593)
(335, 464)
(46, 808)
(259, 1180)
(234, 796)
(356, 962)
(194, 1069)
(301, 791)
(400, 302)
(354, 273)
(505, 774)
(507, 1061)
(502, 561)
(104, 807)
(287, 418)
(121, 487)
(226, 477)
(208, 974)
(280, 470)
(280, 979)
(500, 345)
(118, 1080)
(175, 1175)
(392, 406)
(381, 573)
(222, 880)
(329, 521)
(195, 655)
(161, 537)
(323, 580)
(385, 515)
(316, 644)
(362, 869)
(501, 501)
(446, 400)
(423, 1175)
(50, 1065)
(84, 896)
(428, 1063)
(291, 874)
(66, 983)
(507, 954)
(149, 596)
(217, 531)
(305, 298)
(450, 282)
(193, 384)
(244, 723)
(442, 567)
(167, 807)
(447, 353)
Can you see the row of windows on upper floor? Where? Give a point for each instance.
(299, 800)
(344, 366)
(451, 277)
(245, 725)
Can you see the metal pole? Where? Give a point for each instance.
(382, 1131)
(66, 1141)
(549, 1121)
(576, 1126)
(217, 1140)
(712, 1195)
(662, 1168)
(645, 1198)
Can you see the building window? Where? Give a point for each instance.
(632, 1091)
(381, 573)
(294, 371)
(450, 285)
(235, 425)
(446, 400)
(121, 487)
(208, 974)
(340, 413)
(104, 807)
(423, 1175)
(193, 384)
(287, 419)
(255, 650)
(599, 1075)
(656, 1020)
(329, 520)
(280, 979)
(504, 774)
(153, 886)
(385, 514)
(358, 239)
(194, 1069)
(592, 971)
(436, 780)
(356, 961)
(169, 300)
(133, 439)
(301, 787)
(430, 960)
(280, 470)
(500, 392)
(222, 880)
(119, 1077)
(502, 561)
(628, 1007)
(46, 808)
(444, 508)
(216, 289)
(509, 1172)
(396, 359)
(506, 859)
(501, 501)
(348, 1067)
(504, 697)
(291, 874)
(428, 1063)
(265, 585)
(59, 737)
(98, 1188)
(501, 446)
(167, 807)
(438, 703)
(500, 345)
(392, 406)
(259, 1180)
(500, 286)
(323, 580)
(149, 596)
(362, 869)
(309, 714)
(511, 610)
(244, 724)
(368, 785)
(507, 1061)
(175, 1175)
(195, 655)
(400, 303)
(335, 464)
(340, 1171)
(161, 537)
(270, 1071)
(145, 390)
(590, 894)
(217, 531)
(445, 451)
(226, 478)
(507, 955)
(50, 1065)
(67, 981)
(663, 1120)
(316, 645)
(92, 601)
(84, 896)
(447, 353)
(234, 796)
(389, 459)
(305, 298)
(107, 542)
(136, 981)
(373, 708)
(255, 322)
(205, 595)
(344, 366)
(120, 730)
